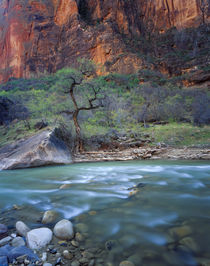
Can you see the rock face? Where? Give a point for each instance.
(45, 35)
(44, 148)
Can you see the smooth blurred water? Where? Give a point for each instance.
(172, 194)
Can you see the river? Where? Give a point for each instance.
(148, 212)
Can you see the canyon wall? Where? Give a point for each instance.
(38, 36)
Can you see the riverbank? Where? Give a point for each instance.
(144, 153)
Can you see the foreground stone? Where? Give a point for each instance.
(3, 231)
(39, 238)
(64, 230)
(42, 149)
(12, 253)
(22, 229)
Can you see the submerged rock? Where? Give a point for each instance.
(180, 232)
(49, 217)
(44, 148)
(64, 230)
(126, 263)
(39, 238)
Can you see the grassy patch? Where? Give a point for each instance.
(180, 135)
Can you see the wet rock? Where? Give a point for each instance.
(67, 255)
(110, 244)
(91, 263)
(49, 217)
(190, 243)
(58, 262)
(18, 242)
(65, 186)
(5, 240)
(52, 250)
(79, 237)
(87, 255)
(3, 231)
(3, 261)
(5, 250)
(39, 238)
(126, 263)
(75, 263)
(82, 228)
(62, 243)
(180, 232)
(20, 251)
(47, 264)
(44, 256)
(83, 261)
(22, 229)
(64, 230)
(75, 243)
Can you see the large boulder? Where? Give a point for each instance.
(42, 149)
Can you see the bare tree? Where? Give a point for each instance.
(73, 82)
(204, 8)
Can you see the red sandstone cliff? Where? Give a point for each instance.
(45, 35)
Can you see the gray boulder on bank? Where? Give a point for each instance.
(44, 148)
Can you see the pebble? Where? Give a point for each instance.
(18, 242)
(67, 255)
(39, 238)
(75, 243)
(47, 264)
(126, 263)
(57, 255)
(190, 243)
(91, 263)
(83, 260)
(82, 228)
(65, 186)
(62, 243)
(180, 232)
(5, 240)
(13, 235)
(87, 255)
(44, 256)
(49, 217)
(22, 229)
(79, 237)
(75, 263)
(64, 230)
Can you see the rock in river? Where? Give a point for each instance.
(22, 229)
(41, 149)
(64, 230)
(39, 238)
(3, 231)
(49, 217)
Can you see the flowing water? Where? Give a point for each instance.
(148, 212)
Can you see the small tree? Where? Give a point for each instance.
(85, 94)
(204, 8)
